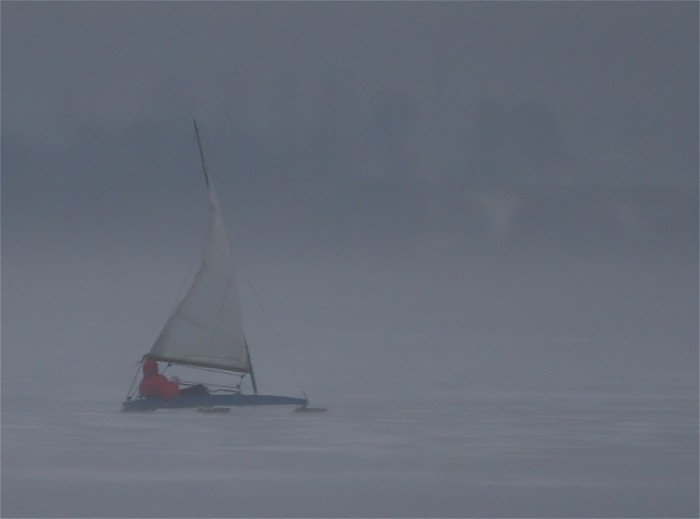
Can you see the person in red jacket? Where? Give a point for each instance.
(155, 384)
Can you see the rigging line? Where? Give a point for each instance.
(133, 381)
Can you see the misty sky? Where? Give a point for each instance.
(586, 93)
(416, 133)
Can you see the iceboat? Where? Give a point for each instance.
(205, 329)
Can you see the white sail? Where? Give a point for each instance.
(205, 329)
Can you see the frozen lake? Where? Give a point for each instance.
(598, 452)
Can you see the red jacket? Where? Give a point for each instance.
(155, 384)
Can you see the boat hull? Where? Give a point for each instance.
(194, 401)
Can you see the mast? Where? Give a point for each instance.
(206, 179)
(201, 154)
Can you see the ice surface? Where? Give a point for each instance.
(566, 391)
(593, 453)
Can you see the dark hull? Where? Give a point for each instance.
(152, 403)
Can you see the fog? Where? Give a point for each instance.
(469, 230)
